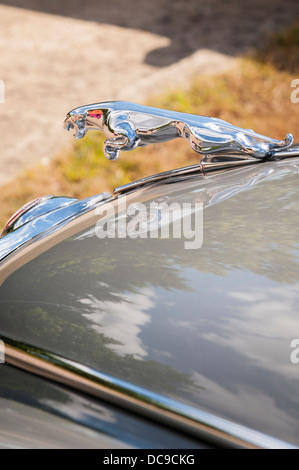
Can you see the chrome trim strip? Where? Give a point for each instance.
(34, 209)
(286, 153)
(200, 424)
(47, 223)
(209, 164)
(192, 169)
(182, 173)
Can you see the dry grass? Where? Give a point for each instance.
(256, 95)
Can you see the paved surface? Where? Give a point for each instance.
(57, 55)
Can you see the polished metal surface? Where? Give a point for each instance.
(42, 217)
(209, 329)
(128, 125)
(292, 151)
(34, 209)
(27, 427)
(208, 164)
(159, 177)
(40, 413)
(208, 428)
(180, 174)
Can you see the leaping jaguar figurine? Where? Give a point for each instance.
(128, 125)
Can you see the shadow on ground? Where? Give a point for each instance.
(230, 27)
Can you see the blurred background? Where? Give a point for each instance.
(234, 60)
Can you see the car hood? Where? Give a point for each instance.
(209, 327)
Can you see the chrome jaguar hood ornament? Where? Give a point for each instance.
(128, 125)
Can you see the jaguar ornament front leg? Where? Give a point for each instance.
(121, 136)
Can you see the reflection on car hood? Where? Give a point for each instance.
(210, 327)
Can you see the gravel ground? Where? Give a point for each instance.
(58, 55)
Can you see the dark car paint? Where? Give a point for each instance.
(210, 328)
